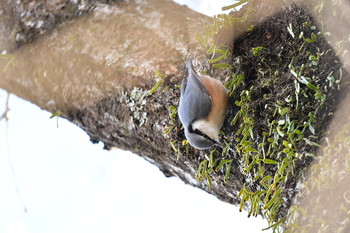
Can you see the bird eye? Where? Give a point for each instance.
(196, 131)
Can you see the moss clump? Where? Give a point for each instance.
(290, 90)
(285, 86)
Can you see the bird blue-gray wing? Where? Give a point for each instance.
(193, 79)
(195, 101)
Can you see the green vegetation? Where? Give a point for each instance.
(56, 114)
(284, 92)
(283, 82)
(158, 84)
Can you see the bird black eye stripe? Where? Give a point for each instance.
(196, 131)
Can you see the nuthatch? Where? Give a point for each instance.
(202, 110)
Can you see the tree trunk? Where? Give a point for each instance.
(97, 70)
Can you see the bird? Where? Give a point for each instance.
(202, 108)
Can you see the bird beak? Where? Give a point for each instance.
(217, 141)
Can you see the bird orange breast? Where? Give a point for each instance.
(219, 98)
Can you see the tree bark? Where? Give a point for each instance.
(96, 71)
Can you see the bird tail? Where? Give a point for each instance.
(189, 64)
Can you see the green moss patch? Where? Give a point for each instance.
(285, 83)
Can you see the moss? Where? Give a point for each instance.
(289, 93)
(285, 83)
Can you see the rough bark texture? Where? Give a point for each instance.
(96, 71)
(26, 20)
(103, 87)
